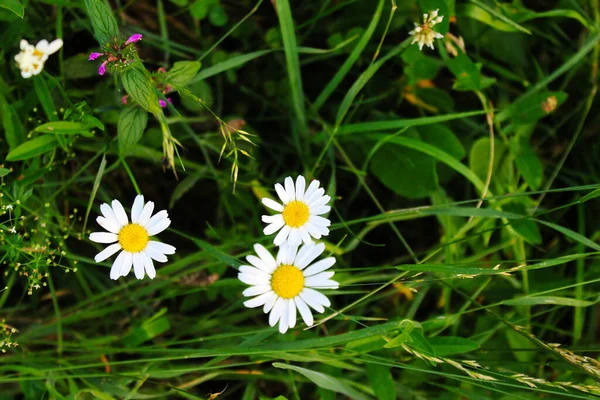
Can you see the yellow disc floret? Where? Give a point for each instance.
(287, 281)
(133, 238)
(295, 214)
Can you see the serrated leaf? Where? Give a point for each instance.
(183, 72)
(131, 126)
(13, 5)
(103, 22)
(325, 381)
(139, 87)
(33, 148)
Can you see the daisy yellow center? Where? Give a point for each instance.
(295, 214)
(287, 281)
(133, 238)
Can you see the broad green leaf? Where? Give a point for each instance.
(103, 22)
(479, 160)
(548, 300)
(139, 87)
(489, 17)
(183, 72)
(527, 161)
(528, 110)
(440, 136)
(468, 74)
(65, 128)
(79, 67)
(45, 97)
(231, 63)
(13, 5)
(13, 130)
(325, 381)
(131, 126)
(450, 345)
(526, 228)
(382, 383)
(33, 148)
(149, 329)
(201, 90)
(4, 172)
(420, 66)
(522, 348)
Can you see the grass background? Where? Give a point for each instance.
(464, 217)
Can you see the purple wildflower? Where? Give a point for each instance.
(102, 68)
(134, 38)
(94, 56)
(162, 103)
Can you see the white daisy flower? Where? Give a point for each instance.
(31, 59)
(299, 215)
(424, 35)
(132, 238)
(288, 283)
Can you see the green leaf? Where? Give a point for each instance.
(139, 87)
(522, 348)
(231, 63)
(450, 345)
(65, 128)
(571, 234)
(103, 22)
(489, 17)
(527, 161)
(131, 126)
(4, 172)
(45, 97)
(13, 129)
(183, 72)
(13, 5)
(79, 67)
(589, 196)
(479, 159)
(33, 148)
(325, 381)
(382, 383)
(548, 300)
(149, 329)
(528, 110)
(468, 75)
(182, 188)
(218, 16)
(526, 228)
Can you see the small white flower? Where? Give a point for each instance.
(132, 238)
(299, 215)
(31, 59)
(9, 207)
(424, 35)
(288, 283)
(12, 230)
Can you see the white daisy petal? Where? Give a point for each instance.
(308, 253)
(313, 230)
(148, 265)
(270, 302)
(315, 219)
(119, 211)
(159, 227)
(107, 252)
(276, 311)
(156, 219)
(315, 280)
(256, 290)
(160, 247)
(289, 188)
(282, 236)
(284, 319)
(274, 227)
(291, 312)
(314, 196)
(272, 204)
(108, 224)
(311, 301)
(115, 270)
(304, 235)
(109, 214)
(127, 263)
(258, 300)
(319, 266)
(294, 237)
(155, 255)
(311, 297)
(138, 266)
(314, 185)
(246, 269)
(323, 284)
(270, 219)
(251, 279)
(146, 213)
(305, 312)
(321, 201)
(138, 207)
(300, 185)
(282, 193)
(103, 237)
(320, 210)
(265, 256)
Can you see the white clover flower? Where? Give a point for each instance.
(132, 238)
(31, 59)
(288, 283)
(12, 230)
(298, 216)
(424, 34)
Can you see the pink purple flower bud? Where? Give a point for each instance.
(124, 99)
(162, 103)
(102, 68)
(94, 56)
(134, 38)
